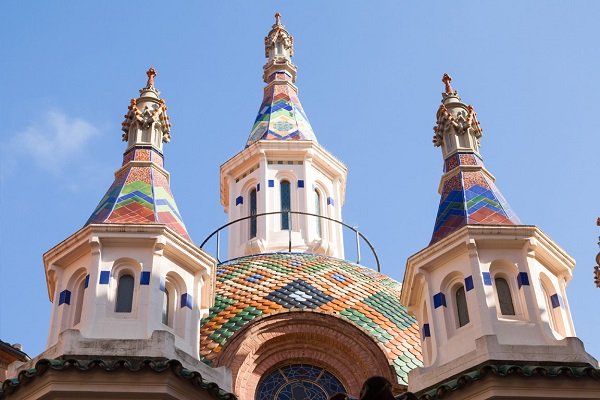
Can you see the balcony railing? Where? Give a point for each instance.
(357, 234)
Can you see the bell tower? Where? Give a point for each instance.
(283, 172)
(487, 288)
(131, 279)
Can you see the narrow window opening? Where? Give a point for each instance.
(504, 297)
(461, 306)
(125, 294)
(79, 302)
(279, 48)
(285, 205)
(318, 211)
(253, 213)
(165, 308)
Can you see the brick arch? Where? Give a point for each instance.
(310, 337)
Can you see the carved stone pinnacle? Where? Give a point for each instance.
(151, 74)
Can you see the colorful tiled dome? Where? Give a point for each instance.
(256, 286)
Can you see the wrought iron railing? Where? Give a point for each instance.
(357, 233)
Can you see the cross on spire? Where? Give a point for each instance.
(446, 79)
(151, 74)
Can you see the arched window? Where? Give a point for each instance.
(318, 211)
(285, 198)
(166, 314)
(79, 302)
(504, 297)
(253, 213)
(125, 294)
(299, 381)
(462, 311)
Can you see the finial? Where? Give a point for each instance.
(446, 79)
(277, 18)
(151, 74)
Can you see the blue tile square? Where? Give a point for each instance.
(239, 200)
(300, 183)
(86, 283)
(186, 300)
(104, 277)
(271, 183)
(330, 201)
(439, 300)
(523, 279)
(469, 283)
(145, 278)
(554, 299)
(426, 330)
(64, 297)
(487, 279)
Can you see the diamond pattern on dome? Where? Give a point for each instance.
(299, 294)
(359, 295)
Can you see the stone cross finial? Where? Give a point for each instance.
(151, 74)
(446, 79)
(277, 18)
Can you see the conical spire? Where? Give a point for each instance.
(468, 193)
(281, 116)
(140, 193)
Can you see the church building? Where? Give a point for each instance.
(140, 311)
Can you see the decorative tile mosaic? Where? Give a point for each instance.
(253, 286)
(281, 116)
(469, 197)
(140, 195)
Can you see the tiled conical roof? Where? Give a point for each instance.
(281, 116)
(256, 286)
(469, 195)
(140, 193)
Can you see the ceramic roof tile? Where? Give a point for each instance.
(365, 298)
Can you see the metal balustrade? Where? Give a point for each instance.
(357, 233)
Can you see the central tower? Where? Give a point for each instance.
(283, 171)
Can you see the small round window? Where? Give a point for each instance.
(298, 381)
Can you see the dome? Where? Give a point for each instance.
(252, 288)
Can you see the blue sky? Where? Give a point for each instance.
(369, 79)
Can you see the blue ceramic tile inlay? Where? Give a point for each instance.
(254, 278)
(339, 277)
(487, 279)
(64, 297)
(104, 277)
(221, 271)
(186, 300)
(239, 200)
(299, 294)
(523, 279)
(555, 300)
(145, 278)
(86, 283)
(469, 283)
(426, 330)
(271, 183)
(300, 183)
(439, 300)
(330, 201)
